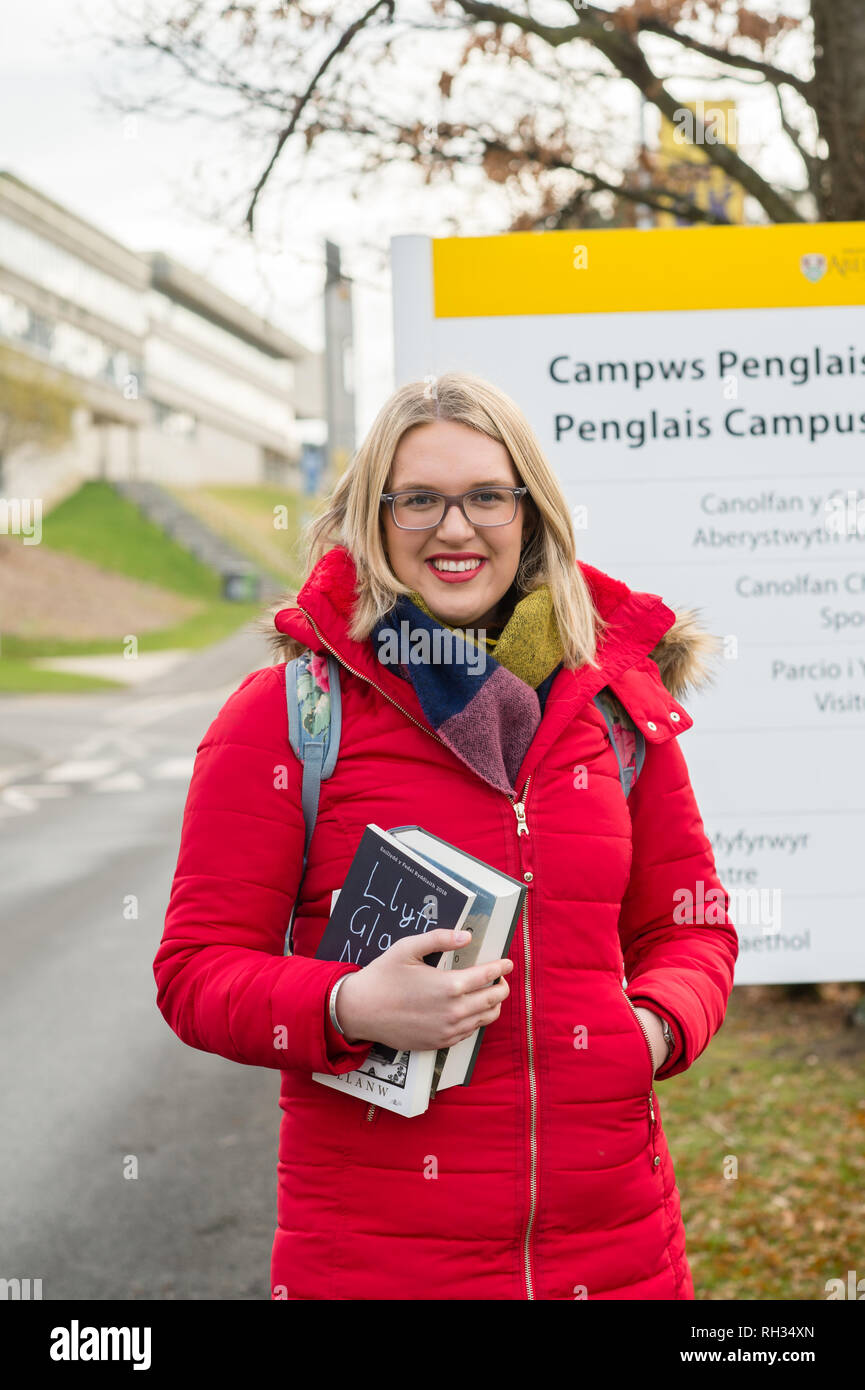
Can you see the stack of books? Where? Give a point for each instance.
(401, 882)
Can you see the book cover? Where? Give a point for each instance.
(390, 892)
(492, 922)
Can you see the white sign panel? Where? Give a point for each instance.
(713, 452)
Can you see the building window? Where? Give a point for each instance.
(68, 347)
(278, 471)
(39, 332)
(178, 423)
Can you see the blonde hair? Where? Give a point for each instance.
(352, 517)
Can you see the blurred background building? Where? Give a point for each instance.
(173, 380)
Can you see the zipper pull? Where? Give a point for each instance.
(656, 1157)
(522, 827)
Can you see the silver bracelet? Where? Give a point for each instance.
(332, 1004)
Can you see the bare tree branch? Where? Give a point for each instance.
(626, 56)
(339, 47)
(661, 199)
(777, 76)
(813, 164)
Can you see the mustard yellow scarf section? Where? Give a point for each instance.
(528, 645)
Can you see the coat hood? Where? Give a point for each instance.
(682, 651)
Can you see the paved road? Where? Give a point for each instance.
(91, 1074)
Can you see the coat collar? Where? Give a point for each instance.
(648, 657)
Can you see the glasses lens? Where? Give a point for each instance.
(418, 509)
(489, 507)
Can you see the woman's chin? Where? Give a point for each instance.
(454, 614)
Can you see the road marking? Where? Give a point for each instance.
(120, 744)
(173, 767)
(21, 799)
(82, 770)
(121, 782)
(40, 790)
(118, 737)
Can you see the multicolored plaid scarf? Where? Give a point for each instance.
(485, 702)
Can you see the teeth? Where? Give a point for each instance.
(456, 565)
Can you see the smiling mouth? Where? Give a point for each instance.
(455, 571)
(438, 563)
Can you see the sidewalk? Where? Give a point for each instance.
(129, 671)
(211, 667)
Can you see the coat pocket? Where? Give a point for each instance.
(647, 1047)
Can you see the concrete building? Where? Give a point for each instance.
(177, 381)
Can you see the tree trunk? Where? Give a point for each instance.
(839, 104)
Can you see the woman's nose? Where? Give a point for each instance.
(454, 523)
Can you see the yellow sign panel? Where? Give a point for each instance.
(790, 265)
(683, 166)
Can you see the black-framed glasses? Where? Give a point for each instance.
(418, 510)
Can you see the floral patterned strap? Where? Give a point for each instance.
(313, 689)
(626, 743)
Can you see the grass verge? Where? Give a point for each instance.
(778, 1099)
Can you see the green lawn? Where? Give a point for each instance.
(99, 526)
(781, 1091)
(247, 517)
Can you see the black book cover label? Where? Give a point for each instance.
(385, 898)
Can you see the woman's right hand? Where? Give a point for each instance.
(404, 1003)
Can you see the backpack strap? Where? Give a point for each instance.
(629, 746)
(314, 730)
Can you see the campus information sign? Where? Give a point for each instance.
(700, 393)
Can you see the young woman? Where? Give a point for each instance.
(548, 1175)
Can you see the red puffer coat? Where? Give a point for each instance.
(548, 1176)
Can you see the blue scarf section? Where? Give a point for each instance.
(484, 712)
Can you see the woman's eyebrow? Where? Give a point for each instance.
(428, 487)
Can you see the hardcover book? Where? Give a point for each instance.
(408, 880)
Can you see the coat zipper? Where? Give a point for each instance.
(522, 829)
(655, 1158)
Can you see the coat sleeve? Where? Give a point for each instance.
(678, 942)
(223, 982)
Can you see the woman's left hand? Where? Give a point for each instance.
(654, 1026)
